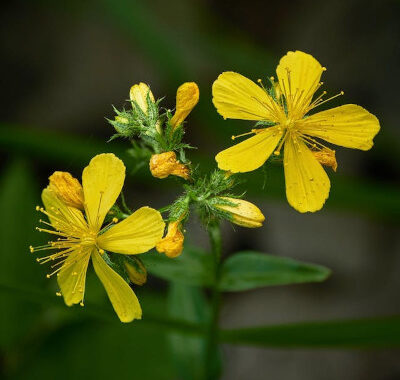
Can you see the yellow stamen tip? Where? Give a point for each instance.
(233, 137)
(82, 304)
(324, 69)
(101, 251)
(115, 220)
(277, 153)
(58, 294)
(31, 249)
(48, 276)
(341, 92)
(37, 208)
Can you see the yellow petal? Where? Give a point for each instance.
(138, 233)
(307, 184)
(236, 97)
(187, 97)
(62, 217)
(102, 182)
(138, 94)
(122, 297)
(72, 276)
(350, 126)
(251, 153)
(298, 74)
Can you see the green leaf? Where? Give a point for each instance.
(192, 267)
(249, 270)
(364, 333)
(188, 353)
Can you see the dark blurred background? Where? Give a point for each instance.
(65, 63)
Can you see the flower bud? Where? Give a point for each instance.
(172, 243)
(138, 94)
(164, 164)
(121, 119)
(243, 213)
(136, 271)
(187, 97)
(326, 157)
(67, 188)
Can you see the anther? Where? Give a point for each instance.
(101, 251)
(81, 303)
(58, 294)
(115, 220)
(37, 208)
(31, 249)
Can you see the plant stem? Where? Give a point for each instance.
(214, 233)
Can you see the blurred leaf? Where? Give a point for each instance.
(365, 333)
(97, 349)
(250, 270)
(188, 353)
(17, 265)
(192, 267)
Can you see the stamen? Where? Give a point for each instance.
(243, 134)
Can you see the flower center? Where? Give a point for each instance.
(88, 239)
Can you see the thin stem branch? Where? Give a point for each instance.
(214, 233)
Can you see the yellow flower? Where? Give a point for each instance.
(351, 126)
(187, 97)
(81, 236)
(244, 213)
(172, 244)
(138, 94)
(164, 164)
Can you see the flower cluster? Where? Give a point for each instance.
(83, 215)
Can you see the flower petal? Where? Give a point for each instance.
(350, 126)
(122, 297)
(298, 74)
(307, 184)
(251, 153)
(237, 97)
(102, 182)
(62, 217)
(136, 234)
(72, 276)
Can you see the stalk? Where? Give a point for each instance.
(214, 233)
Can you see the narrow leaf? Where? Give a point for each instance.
(365, 333)
(249, 270)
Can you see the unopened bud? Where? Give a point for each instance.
(172, 243)
(164, 164)
(242, 213)
(138, 94)
(137, 272)
(67, 188)
(187, 97)
(121, 119)
(326, 157)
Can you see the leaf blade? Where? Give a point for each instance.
(250, 270)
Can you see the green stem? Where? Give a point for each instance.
(214, 233)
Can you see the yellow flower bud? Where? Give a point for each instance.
(138, 94)
(164, 164)
(187, 97)
(137, 272)
(172, 243)
(326, 157)
(244, 213)
(67, 188)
